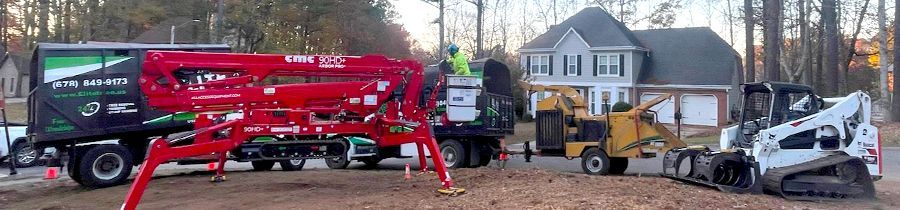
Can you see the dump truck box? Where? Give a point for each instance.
(90, 92)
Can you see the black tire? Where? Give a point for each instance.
(484, 160)
(24, 155)
(617, 165)
(72, 168)
(371, 162)
(454, 154)
(595, 162)
(292, 165)
(262, 165)
(337, 163)
(105, 166)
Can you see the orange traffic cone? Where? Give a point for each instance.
(407, 176)
(211, 166)
(52, 173)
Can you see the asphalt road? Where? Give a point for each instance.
(641, 167)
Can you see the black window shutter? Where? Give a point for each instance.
(621, 65)
(578, 65)
(528, 65)
(565, 65)
(551, 65)
(595, 65)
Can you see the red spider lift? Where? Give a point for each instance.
(369, 97)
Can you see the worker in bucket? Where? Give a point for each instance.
(458, 62)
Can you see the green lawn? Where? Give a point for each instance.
(701, 140)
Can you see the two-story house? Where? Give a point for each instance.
(596, 54)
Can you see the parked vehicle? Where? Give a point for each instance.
(86, 102)
(22, 152)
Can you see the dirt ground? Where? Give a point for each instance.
(385, 189)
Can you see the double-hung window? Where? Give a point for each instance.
(540, 65)
(572, 65)
(608, 65)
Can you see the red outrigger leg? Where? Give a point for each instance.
(160, 152)
(422, 163)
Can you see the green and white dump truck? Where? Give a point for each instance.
(85, 101)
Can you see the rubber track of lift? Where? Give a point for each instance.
(773, 178)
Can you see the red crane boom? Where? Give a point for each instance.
(239, 97)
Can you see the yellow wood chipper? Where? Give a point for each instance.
(604, 142)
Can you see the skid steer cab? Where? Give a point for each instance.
(791, 143)
(565, 129)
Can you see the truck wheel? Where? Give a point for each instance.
(72, 168)
(454, 154)
(25, 155)
(105, 166)
(595, 162)
(292, 165)
(337, 163)
(262, 165)
(617, 165)
(484, 160)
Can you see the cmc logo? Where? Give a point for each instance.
(299, 59)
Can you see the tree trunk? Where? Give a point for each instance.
(772, 39)
(28, 24)
(67, 28)
(441, 27)
(479, 29)
(830, 67)
(43, 20)
(851, 50)
(58, 20)
(806, 53)
(749, 51)
(882, 52)
(218, 30)
(3, 27)
(895, 104)
(808, 74)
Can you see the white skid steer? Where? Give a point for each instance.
(788, 143)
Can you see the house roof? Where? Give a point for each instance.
(22, 62)
(592, 24)
(687, 56)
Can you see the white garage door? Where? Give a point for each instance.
(700, 110)
(665, 110)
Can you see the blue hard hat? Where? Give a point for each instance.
(452, 49)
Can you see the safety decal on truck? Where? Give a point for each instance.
(56, 68)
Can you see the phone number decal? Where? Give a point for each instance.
(90, 83)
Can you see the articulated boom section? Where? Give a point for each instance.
(243, 96)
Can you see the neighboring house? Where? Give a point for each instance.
(14, 73)
(596, 54)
